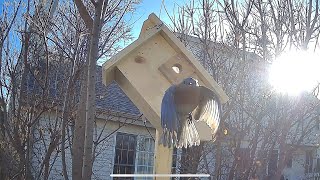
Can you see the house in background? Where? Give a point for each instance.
(123, 138)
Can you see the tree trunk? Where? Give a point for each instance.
(282, 155)
(65, 116)
(79, 131)
(91, 97)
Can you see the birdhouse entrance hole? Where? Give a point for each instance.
(177, 68)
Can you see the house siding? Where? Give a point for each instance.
(105, 151)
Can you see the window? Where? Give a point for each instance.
(309, 161)
(133, 155)
(145, 156)
(273, 162)
(124, 154)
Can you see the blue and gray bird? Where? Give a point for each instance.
(182, 106)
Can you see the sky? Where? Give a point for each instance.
(153, 6)
(144, 9)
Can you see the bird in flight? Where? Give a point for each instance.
(182, 106)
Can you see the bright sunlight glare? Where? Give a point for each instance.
(295, 72)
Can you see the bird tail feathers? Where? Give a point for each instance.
(189, 135)
(168, 138)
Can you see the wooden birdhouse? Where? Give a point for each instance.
(147, 67)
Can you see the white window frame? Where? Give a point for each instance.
(150, 155)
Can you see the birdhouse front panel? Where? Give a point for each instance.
(150, 69)
(147, 67)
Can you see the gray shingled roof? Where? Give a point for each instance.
(108, 98)
(111, 97)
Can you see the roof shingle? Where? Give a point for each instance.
(112, 97)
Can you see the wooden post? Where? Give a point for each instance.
(163, 158)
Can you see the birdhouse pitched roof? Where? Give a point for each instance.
(152, 27)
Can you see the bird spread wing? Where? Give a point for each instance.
(169, 118)
(208, 109)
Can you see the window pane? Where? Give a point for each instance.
(149, 159)
(151, 156)
(140, 159)
(132, 143)
(125, 142)
(150, 170)
(148, 145)
(130, 157)
(119, 141)
(145, 155)
(116, 170)
(144, 169)
(145, 158)
(122, 169)
(152, 146)
(128, 169)
(118, 156)
(139, 169)
(142, 146)
(124, 158)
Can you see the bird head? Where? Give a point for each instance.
(190, 81)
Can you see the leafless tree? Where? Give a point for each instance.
(44, 62)
(24, 88)
(236, 41)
